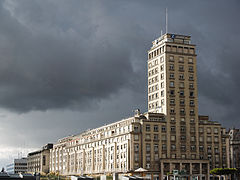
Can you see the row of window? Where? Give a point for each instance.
(181, 102)
(180, 59)
(155, 63)
(155, 53)
(181, 76)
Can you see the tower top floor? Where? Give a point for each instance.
(172, 38)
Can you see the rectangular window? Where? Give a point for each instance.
(155, 136)
(172, 101)
(171, 83)
(163, 128)
(181, 93)
(181, 68)
(148, 127)
(172, 75)
(171, 66)
(172, 92)
(181, 76)
(148, 147)
(155, 128)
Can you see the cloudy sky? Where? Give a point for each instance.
(71, 65)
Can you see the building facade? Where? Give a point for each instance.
(234, 147)
(170, 136)
(18, 166)
(38, 161)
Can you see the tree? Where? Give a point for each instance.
(223, 171)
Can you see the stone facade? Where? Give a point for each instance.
(38, 161)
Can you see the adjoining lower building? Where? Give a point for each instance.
(18, 166)
(38, 161)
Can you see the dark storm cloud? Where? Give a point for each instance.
(53, 57)
(74, 55)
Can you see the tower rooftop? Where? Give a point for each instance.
(176, 38)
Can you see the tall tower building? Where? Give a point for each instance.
(172, 87)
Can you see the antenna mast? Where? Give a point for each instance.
(166, 21)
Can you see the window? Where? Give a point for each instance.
(162, 102)
(190, 60)
(156, 157)
(172, 101)
(173, 147)
(173, 138)
(183, 129)
(216, 139)
(164, 147)
(183, 138)
(193, 156)
(193, 148)
(148, 158)
(181, 68)
(162, 76)
(136, 129)
(171, 67)
(172, 119)
(191, 85)
(181, 84)
(181, 60)
(148, 137)
(155, 137)
(209, 139)
(155, 128)
(200, 129)
(163, 128)
(201, 138)
(172, 92)
(172, 110)
(215, 130)
(136, 137)
(155, 147)
(181, 93)
(201, 148)
(162, 93)
(192, 120)
(193, 138)
(162, 68)
(164, 138)
(191, 94)
(173, 129)
(148, 127)
(171, 83)
(191, 111)
(190, 68)
(136, 147)
(148, 147)
(181, 76)
(183, 148)
(171, 75)
(192, 129)
(191, 77)
(162, 84)
(161, 59)
(182, 102)
(182, 111)
(191, 102)
(208, 130)
(182, 119)
(171, 58)
(183, 156)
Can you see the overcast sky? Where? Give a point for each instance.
(71, 65)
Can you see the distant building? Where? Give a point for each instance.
(38, 161)
(18, 166)
(234, 147)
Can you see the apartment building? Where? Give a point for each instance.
(38, 161)
(170, 136)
